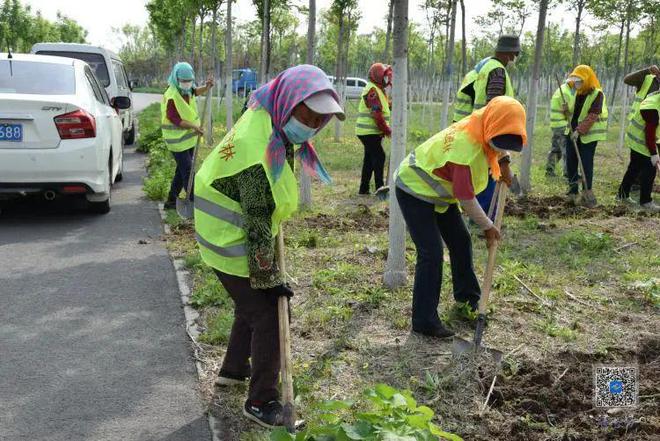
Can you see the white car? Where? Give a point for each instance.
(108, 68)
(353, 86)
(59, 133)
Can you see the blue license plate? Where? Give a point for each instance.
(11, 132)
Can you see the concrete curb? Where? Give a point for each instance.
(191, 316)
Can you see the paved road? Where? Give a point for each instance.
(92, 341)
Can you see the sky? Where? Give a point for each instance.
(98, 17)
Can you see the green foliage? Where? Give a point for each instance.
(20, 28)
(392, 416)
(585, 242)
(219, 327)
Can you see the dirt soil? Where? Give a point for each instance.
(362, 218)
(546, 207)
(537, 403)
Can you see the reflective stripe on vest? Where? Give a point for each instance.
(640, 95)
(178, 139)
(463, 105)
(365, 123)
(598, 131)
(219, 220)
(636, 131)
(415, 174)
(481, 83)
(557, 118)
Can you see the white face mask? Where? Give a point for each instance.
(511, 63)
(185, 85)
(386, 80)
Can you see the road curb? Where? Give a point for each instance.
(191, 316)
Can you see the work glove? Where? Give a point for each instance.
(655, 159)
(575, 135)
(280, 291)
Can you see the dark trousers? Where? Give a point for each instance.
(428, 229)
(639, 167)
(182, 173)
(254, 345)
(373, 162)
(587, 152)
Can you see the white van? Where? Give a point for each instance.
(107, 67)
(353, 86)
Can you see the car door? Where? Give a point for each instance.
(123, 89)
(108, 123)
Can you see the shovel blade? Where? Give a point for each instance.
(461, 346)
(383, 192)
(185, 208)
(515, 186)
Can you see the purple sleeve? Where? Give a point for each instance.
(173, 114)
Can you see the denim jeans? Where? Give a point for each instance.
(428, 229)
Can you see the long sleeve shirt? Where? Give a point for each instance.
(251, 189)
(496, 85)
(592, 114)
(372, 100)
(650, 117)
(172, 113)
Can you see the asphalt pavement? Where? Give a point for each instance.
(92, 338)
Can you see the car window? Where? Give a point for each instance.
(362, 83)
(350, 83)
(94, 85)
(119, 74)
(123, 70)
(96, 61)
(36, 78)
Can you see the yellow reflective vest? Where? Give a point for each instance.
(481, 83)
(219, 219)
(463, 104)
(415, 174)
(635, 133)
(598, 131)
(641, 95)
(365, 123)
(177, 138)
(557, 118)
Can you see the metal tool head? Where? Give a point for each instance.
(461, 347)
(185, 208)
(515, 186)
(383, 192)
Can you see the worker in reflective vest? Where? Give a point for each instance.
(642, 136)
(180, 124)
(645, 81)
(244, 190)
(372, 124)
(561, 108)
(588, 125)
(446, 171)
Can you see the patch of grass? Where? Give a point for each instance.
(218, 328)
(550, 327)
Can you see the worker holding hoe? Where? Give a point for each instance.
(180, 124)
(446, 171)
(488, 79)
(588, 125)
(373, 123)
(561, 108)
(244, 190)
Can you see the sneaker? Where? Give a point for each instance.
(438, 331)
(226, 379)
(625, 200)
(268, 415)
(651, 207)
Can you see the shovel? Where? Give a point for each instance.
(588, 195)
(185, 208)
(460, 345)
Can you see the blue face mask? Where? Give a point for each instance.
(297, 132)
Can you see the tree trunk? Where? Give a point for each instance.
(228, 69)
(339, 73)
(618, 61)
(192, 41)
(526, 163)
(576, 40)
(305, 179)
(182, 48)
(449, 68)
(214, 49)
(200, 64)
(265, 30)
(388, 34)
(463, 42)
(395, 271)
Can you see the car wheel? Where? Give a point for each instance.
(129, 137)
(103, 207)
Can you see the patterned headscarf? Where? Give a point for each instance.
(589, 79)
(279, 97)
(181, 70)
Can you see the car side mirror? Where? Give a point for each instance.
(121, 102)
